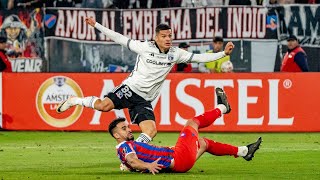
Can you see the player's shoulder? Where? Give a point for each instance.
(174, 49)
(123, 144)
(150, 44)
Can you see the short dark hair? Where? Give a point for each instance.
(218, 39)
(162, 26)
(114, 124)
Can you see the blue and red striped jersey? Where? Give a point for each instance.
(145, 152)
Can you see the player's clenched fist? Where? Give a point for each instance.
(90, 21)
(228, 49)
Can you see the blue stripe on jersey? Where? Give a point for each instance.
(153, 148)
(154, 156)
(164, 163)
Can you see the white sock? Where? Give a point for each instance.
(144, 138)
(242, 151)
(86, 101)
(222, 108)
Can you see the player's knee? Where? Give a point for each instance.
(152, 132)
(192, 123)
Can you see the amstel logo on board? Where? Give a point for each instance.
(53, 91)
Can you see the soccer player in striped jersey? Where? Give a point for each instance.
(189, 147)
(154, 61)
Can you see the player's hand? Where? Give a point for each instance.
(229, 47)
(154, 167)
(90, 21)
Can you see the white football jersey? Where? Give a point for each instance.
(152, 66)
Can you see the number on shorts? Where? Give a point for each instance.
(126, 91)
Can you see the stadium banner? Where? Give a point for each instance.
(261, 102)
(301, 21)
(74, 46)
(25, 38)
(186, 23)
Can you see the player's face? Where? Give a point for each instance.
(164, 39)
(123, 132)
(292, 44)
(217, 46)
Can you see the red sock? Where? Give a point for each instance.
(219, 149)
(207, 118)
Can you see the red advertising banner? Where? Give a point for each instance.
(261, 102)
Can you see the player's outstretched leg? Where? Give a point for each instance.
(66, 104)
(90, 102)
(221, 149)
(252, 148)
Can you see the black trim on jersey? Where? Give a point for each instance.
(128, 44)
(136, 65)
(166, 52)
(189, 60)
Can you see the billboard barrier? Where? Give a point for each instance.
(266, 102)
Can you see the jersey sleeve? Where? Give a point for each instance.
(132, 45)
(207, 57)
(184, 56)
(124, 150)
(136, 46)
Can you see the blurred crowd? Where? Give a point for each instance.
(143, 4)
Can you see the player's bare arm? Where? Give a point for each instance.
(136, 163)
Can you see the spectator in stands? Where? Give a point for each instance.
(121, 4)
(144, 4)
(5, 65)
(307, 1)
(92, 4)
(6, 4)
(108, 4)
(242, 2)
(286, 1)
(160, 4)
(175, 3)
(215, 66)
(295, 60)
(194, 3)
(32, 3)
(215, 3)
(182, 67)
(64, 3)
(269, 2)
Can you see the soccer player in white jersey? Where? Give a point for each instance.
(154, 62)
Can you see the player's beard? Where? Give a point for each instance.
(130, 138)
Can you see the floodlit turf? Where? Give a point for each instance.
(91, 155)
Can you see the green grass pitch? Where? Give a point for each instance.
(91, 155)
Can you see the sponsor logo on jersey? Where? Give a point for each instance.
(52, 92)
(158, 62)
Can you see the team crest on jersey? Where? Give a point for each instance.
(170, 57)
